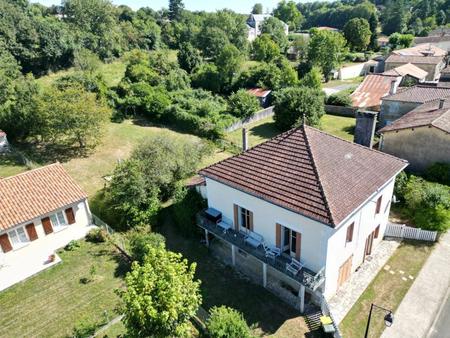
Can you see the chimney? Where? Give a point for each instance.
(244, 139)
(365, 128)
(441, 103)
(393, 88)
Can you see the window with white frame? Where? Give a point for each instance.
(58, 220)
(244, 218)
(18, 236)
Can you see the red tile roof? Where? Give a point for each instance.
(309, 172)
(259, 92)
(36, 192)
(419, 94)
(371, 90)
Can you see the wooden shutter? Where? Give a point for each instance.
(250, 221)
(298, 245)
(350, 232)
(377, 231)
(378, 208)
(31, 231)
(236, 217)
(278, 235)
(70, 216)
(47, 225)
(5, 244)
(345, 271)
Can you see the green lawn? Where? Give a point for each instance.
(333, 83)
(386, 290)
(51, 303)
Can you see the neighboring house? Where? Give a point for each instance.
(374, 87)
(439, 38)
(424, 49)
(254, 25)
(382, 41)
(421, 136)
(410, 74)
(404, 100)
(41, 210)
(262, 94)
(313, 197)
(4, 145)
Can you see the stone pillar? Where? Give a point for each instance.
(365, 128)
(301, 296)
(264, 274)
(207, 237)
(233, 255)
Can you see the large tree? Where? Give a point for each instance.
(326, 50)
(175, 9)
(161, 295)
(357, 32)
(288, 12)
(189, 58)
(242, 104)
(292, 104)
(265, 49)
(275, 28)
(257, 8)
(228, 64)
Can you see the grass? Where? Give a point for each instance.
(339, 126)
(386, 290)
(51, 303)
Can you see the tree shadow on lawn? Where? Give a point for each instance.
(349, 129)
(266, 130)
(222, 285)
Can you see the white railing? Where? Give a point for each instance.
(403, 231)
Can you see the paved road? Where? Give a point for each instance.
(441, 328)
(337, 89)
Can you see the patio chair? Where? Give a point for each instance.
(225, 224)
(271, 252)
(253, 239)
(294, 266)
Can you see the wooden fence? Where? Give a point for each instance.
(403, 231)
(262, 114)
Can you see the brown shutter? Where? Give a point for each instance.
(47, 225)
(298, 246)
(70, 216)
(236, 217)
(350, 232)
(278, 235)
(377, 231)
(250, 223)
(378, 208)
(5, 244)
(31, 231)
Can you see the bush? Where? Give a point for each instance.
(340, 99)
(225, 322)
(439, 172)
(72, 245)
(97, 235)
(141, 242)
(188, 202)
(242, 104)
(84, 329)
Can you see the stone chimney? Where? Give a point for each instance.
(244, 139)
(441, 103)
(393, 88)
(365, 128)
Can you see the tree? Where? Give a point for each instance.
(211, 41)
(161, 295)
(357, 32)
(189, 58)
(141, 240)
(242, 104)
(326, 50)
(395, 17)
(176, 8)
(288, 12)
(397, 40)
(257, 8)
(275, 28)
(265, 49)
(225, 322)
(312, 79)
(207, 77)
(291, 104)
(228, 64)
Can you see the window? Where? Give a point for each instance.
(378, 207)
(349, 237)
(377, 231)
(58, 219)
(293, 241)
(18, 236)
(244, 216)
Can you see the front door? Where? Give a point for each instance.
(368, 247)
(345, 271)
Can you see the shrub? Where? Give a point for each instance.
(439, 172)
(141, 242)
(225, 322)
(97, 235)
(242, 104)
(84, 329)
(72, 245)
(340, 99)
(188, 203)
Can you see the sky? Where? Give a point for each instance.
(240, 6)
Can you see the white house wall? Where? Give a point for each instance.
(265, 217)
(365, 223)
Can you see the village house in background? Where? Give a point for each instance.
(41, 211)
(254, 25)
(439, 37)
(300, 212)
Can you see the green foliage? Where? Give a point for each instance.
(161, 295)
(357, 32)
(275, 29)
(228, 64)
(72, 245)
(141, 241)
(257, 8)
(85, 329)
(189, 58)
(326, 50)
(242, 104)
(439, 172)
(340, 99)
(312, 79)
(98, 235)
(176, 8)
(291, 104)
(288, 12)
(265, 49)
(395, 17)
(225, 322)
(398, 41)
(211, 41)
(187, 203)
(91, 82)
(207, 77)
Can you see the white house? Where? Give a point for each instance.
(41, 210)
(319, 199)
(254, 25)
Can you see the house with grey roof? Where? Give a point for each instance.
(421, 136)
(299, 213)
(254, 25)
